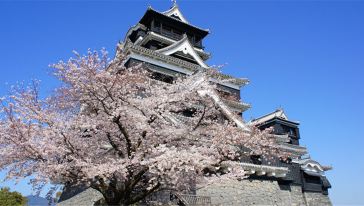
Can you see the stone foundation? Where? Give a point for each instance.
(314, 199)
(234, 193)
(296, 195)
(260, 192)
(86, 198)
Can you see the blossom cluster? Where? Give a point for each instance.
(120, 131)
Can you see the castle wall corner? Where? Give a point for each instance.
(315, 198)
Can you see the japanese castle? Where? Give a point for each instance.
(169, 45)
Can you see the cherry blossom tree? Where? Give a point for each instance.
(123, 133)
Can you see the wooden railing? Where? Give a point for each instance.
(175, 36)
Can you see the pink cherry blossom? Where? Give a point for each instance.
(123, 133)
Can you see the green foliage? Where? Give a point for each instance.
(8, 198)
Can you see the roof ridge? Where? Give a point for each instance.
(277, 110)
(187, 23)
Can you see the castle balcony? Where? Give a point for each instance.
(174, 35)
(167, 33)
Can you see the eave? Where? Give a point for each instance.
(296, 150)
(151, 12)
(276, 119)
(226, 79)
(189, 67)
(279, 114)
(312, 165)
(237, 106)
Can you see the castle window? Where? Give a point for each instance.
(312, 179)
(157, 24)
(292, 132)
(178, 32)
(167, 28)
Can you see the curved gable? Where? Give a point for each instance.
(184, 46)
(175, 12)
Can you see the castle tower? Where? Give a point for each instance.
(169, 45)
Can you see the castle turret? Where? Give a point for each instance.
(303, 172)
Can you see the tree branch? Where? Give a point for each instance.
(120, 153)
(125, 133)
(200, 120)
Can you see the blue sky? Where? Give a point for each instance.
(304, 56)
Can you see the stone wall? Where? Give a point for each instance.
(85, 198)
(253, 192)
(315, 198)
(296, 195)
(245, 192)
